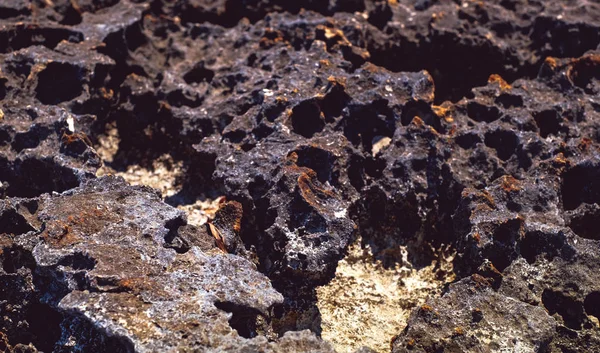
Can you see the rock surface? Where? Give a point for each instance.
(419, 128)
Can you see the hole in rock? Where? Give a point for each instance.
(423, 110)
(562, 38)
(33, 177)
(548, 121)
(550, 245)
(199, 74)
(44, 326)
(334, 101)
(172, 239)
(13, 39)
(363, 123)
(31, 138)
(504, 142)
(586, 224)
(13, 223)
(567, 307)
(456, 65)
(7, 12)
(585, 70)
(581, 184)
(15, 258)
(592, 304)
(317, 159)
(59, 82)
(243, 319)
(306, 118)
(2, 89)
(503, 249)
(482, 113)
(510, 100)
(388, 223)
(304, 218)
(468, 140)
(78, 261)
(71, 16)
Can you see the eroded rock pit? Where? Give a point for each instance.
(300, 176)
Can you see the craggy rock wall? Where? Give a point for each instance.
(431, 126)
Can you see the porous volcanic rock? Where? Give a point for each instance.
(415, 127)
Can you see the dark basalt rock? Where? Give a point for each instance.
(431, 125)
(95, 259)
(471, 316)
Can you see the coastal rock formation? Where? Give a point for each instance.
(421, 133)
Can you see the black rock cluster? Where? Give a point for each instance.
(429, 124)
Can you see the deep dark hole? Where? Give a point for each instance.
(8, 12)
(27, 36)
(15, 258)
(387, 223)
(334, 101)
(197, 182)
(172, 239)
(59, 82)
(509, 100)
(482, 113)
(243, 319)
(306, 118)
(362, 123)
(468, 140)
(316, 159)
(2, 89)
(504, 142)
(586, 225)
(568, 308)
(584, 72)
(563, 39)
(304, 217)
(31, 138)
(32, 177)
(592, 304)
(423, 110)
(456, 67)
(548, 121)
(13, 223)
(581, 184)
(199, 74)
(44, 326)
(549, 245)
(235, 136)
(71, 17)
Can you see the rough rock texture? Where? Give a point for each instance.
(421, 128)
(101, 261)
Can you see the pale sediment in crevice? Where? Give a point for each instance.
(165, 175)
(367, 304)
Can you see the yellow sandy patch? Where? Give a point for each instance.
(367, 304)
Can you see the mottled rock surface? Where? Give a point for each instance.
(418, 129)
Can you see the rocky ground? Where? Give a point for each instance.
(300, 176)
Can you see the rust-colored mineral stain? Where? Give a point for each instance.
(510, 184)
(495, 78)
(443, 112)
